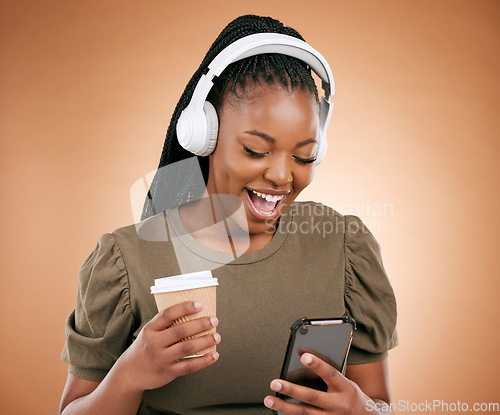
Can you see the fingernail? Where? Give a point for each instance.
(214, 321)
(217, 337)
(215, 355)
(308, 359)
(198, 305)
(269, 402)
(277, 386)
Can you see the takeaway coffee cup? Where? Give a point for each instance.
(196, 286)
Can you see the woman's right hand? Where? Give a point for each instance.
(152, 360)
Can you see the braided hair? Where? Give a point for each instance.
(177, 188)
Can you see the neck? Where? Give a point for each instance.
(221, 226)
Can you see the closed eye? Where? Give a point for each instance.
(300, 160)
(305, 161)
(252, 153)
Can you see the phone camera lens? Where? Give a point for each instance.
(303, 330)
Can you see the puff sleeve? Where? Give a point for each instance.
(369, 297)
(98, 330)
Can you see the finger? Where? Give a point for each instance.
(187, 366)
(167, 316)
(302, 350)
(187, 329)
(289, 408)
(332, 377)
(302, 393)
(192, 346)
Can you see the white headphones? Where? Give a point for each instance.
(197, 127)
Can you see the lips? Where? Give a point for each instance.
(264, 205)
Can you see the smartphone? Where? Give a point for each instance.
(328, 338)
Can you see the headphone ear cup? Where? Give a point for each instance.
(212, 127)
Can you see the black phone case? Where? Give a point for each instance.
(297, 325)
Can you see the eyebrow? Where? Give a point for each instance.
(272, 140)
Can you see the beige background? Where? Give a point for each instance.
(87, 90)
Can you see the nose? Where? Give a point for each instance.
(279, 171)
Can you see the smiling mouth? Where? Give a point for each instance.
(266, 204)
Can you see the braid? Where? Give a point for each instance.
(179, 187)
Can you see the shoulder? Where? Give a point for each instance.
(314, 228)
(317, 218)
(153, 229)
(358, 240)
(147, 248)
(321, 221)
(106, 254)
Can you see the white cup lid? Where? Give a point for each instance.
(184, 282)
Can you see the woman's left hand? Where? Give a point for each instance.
(342, 397)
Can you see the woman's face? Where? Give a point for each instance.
(265, 151)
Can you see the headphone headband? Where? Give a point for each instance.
(189, 125)
(258, 44)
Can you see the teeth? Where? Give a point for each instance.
(269, 198)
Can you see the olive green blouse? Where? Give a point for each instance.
(318, 264)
